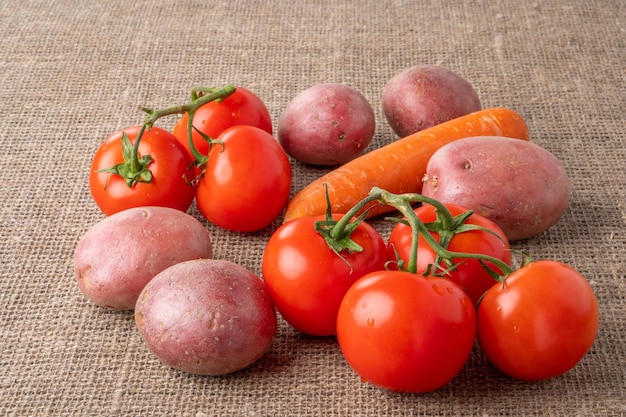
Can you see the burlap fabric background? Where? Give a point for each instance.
(71, 72)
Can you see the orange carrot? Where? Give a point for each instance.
(399, 166)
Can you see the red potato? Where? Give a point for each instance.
(206, 317)
(426, 95)
(118, 256)
(326, 124)
(519, 185)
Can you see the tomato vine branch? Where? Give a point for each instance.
(190, 107)
(135, 167)
(446, 226)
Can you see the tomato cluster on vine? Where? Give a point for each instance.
(222, 141)
(447, 281)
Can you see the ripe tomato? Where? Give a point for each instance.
(307, 280)
(469, 273)
(405, 332)
(171, 169)
(247, 180)
(540, 323)
(242, 107)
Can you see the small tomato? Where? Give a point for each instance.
(468, 273)
(243, 107)
(247, 180)
(539, 323)
(405, 332)
(164, 172)
(308, 280)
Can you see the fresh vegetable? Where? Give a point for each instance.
(326, 124)
(405, 332)
(207, 317)
(247, 180)
(399, 166)
(426, 95)
(309, 264)
(156, 171)
(242, 107)
(453, 229)
(406, 313)
(539, 322)
(242, 184)
(119, 255)
(519, 185)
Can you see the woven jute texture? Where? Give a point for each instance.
(72, 72)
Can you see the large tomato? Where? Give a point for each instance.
(468, 273)
(308, 280)
(165, 180)
(247, 180)
(405, 332)
(243, 107)
(540, 323)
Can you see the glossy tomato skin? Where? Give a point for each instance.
(247, 180)
(469, 273)
(540, 324)
(243, 107)
(405, 332)
(307, 280)
(171, 167)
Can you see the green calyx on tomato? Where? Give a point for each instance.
(134, 169)
(337, 233)
(442, 240)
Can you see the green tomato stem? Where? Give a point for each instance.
(135, 165)
(197, 101)
(197, 156)
(402, 203)
(192, 106)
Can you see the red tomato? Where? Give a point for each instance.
(242, 107)
(247, 180)
(405, 332)
(307, 280)
(171, 168)
(469, 273)
(540, 323)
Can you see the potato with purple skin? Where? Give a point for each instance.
(519, 185)
(206, 317)
(326, 124)
(118, 256)
(425, 95)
